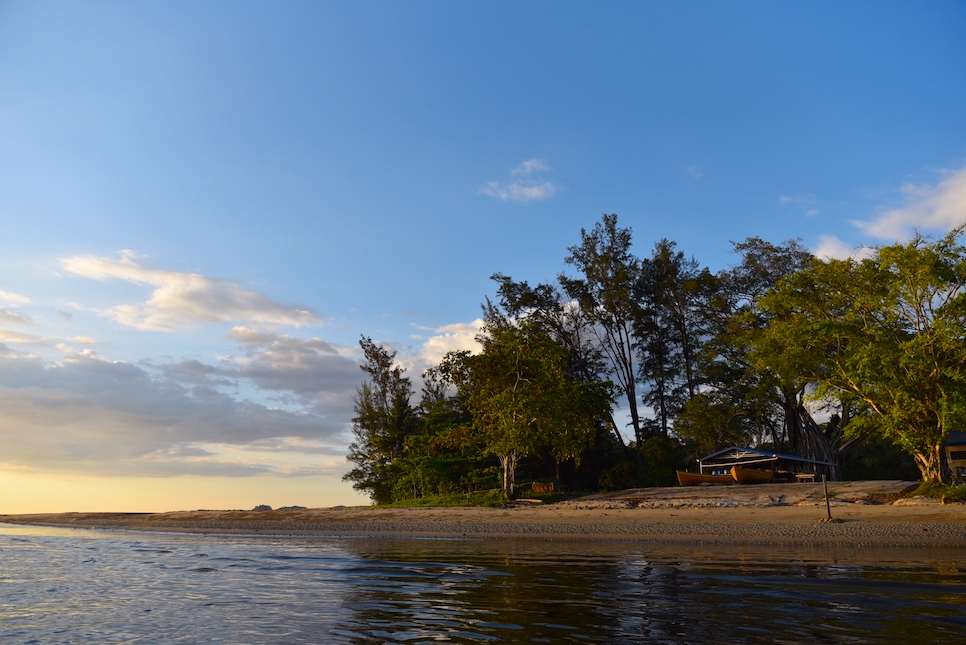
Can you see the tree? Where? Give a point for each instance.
(752, 366)
(547, 307)
(383, 421)
(891, 334)
(444, 455)
(671, 329)
(606, 293)
(521, 399)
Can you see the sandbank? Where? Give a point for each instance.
(864, 513)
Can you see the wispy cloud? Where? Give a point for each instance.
(13, 317)
(527, 184)
(805, 202)
(14, 299)
(19, 338)
(696, 172)
(183, 300)
(939, 207)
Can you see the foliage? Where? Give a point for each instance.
(703, 362)
(939, 490)
(671, 327)
(606, 291)
(878, 458)
(478, 498)
(662, 456)
(709, 423)
(383, 421)
(888, 333)
(521, 399)
(547, 308)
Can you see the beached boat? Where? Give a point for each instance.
(749, 476)
(697, 479)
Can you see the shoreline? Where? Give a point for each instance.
(749, 515)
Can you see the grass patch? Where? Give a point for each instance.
(482, 498)
(938, 490)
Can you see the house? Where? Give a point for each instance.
(801, 467)
(956, 455)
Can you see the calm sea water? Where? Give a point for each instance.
(78, 586)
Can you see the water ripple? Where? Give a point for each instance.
(85, 587)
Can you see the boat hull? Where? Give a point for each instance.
(749, 476)
(696, 479)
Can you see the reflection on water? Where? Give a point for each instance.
(75, 586)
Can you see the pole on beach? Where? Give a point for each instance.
(828, 507)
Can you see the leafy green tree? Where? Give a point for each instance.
(671, 329)
(891, 334)
(521, 398)
(444, 455)
(548, 308)
(710, 423)
(606, 291)
(383, 421)
(747, 363)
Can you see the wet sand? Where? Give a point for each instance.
(864, 513)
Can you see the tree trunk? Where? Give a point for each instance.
(617, 432)
(805, 438)
(509, 463)
(930, 464)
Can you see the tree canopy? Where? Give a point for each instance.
(887, 334)
(781, 351)
(522, 399)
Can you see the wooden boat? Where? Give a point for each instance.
(749, 476)
(697, 479)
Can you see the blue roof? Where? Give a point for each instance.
(764, 453)
(956, 438)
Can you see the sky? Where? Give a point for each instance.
(204, 205)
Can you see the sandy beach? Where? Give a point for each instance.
(864, 513)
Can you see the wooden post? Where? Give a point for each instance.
(828, 507)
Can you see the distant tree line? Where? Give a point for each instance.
(698, 361)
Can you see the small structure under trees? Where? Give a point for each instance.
(956, 455)
(763, 459)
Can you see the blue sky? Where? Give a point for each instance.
(203, 205)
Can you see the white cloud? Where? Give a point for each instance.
(185, 299)
(451, 338)
(696, 172)
(940, 207)
(527, 186)
(529, 167)
(18, 338)
(832, 248)
(14, 299)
